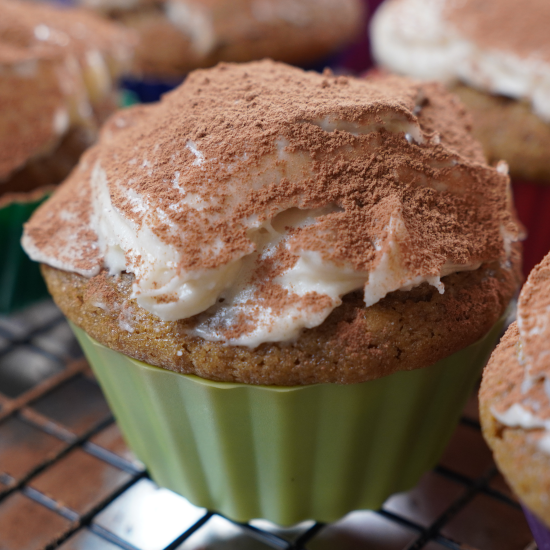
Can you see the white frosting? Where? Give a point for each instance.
(194, 21)
(310, 274)
(412, 37)
(54, 36)
(392, 123)
(61, 121)
(390, 274)
(544, 443)
(516, 416)
(96, 76)
(157, 275)
(519, 417)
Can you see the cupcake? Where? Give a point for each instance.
(515, 403)
(285, 281)
(58, 70)
(495, 55)
(176, 36)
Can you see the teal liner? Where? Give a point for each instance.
(287, 454)
(20, 280)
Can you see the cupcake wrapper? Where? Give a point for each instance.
(541, 533)
(532, 202)
(20, 280)
(287, 454)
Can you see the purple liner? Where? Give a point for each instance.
(539, 530)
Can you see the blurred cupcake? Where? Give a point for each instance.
(311, 268)
(495, 55)
(515, 403)
(58, 72)
(177, 36)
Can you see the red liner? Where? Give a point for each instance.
(532, 202)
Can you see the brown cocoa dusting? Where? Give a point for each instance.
(506, 25)
(44, 52)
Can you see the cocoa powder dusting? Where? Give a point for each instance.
(238, 144)
(44, 52)
(506, 25)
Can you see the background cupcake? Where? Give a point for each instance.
(58, 73)
(331, 256)
(515, 404)
(176, 36)
(495, 55)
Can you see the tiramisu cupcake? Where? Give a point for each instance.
(515, 403)
(176, 36)
(58, 71)
(495, 55)
(286, 282)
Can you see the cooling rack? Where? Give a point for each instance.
(68, 481)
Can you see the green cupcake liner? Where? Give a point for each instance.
(287, 454)
(20, 280)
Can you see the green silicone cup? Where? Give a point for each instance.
(287, 454)
(20, 280)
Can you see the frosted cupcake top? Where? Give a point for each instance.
(499, 46)
(210, 24)
(528, 404)
(257, 195)
(55, 65)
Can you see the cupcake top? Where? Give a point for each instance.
(56, 66)
(499, 46)
(526, 404)
(176, 36)
(257, 195)
(210, 23)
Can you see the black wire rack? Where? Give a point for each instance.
(68, 481)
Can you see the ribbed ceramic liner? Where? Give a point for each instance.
(20, 280)
(287, 454)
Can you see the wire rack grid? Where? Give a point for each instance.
(68, 481)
